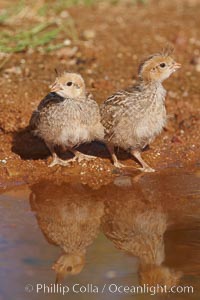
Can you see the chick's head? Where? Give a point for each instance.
(68, 265)
(69, 85)
(158, 67)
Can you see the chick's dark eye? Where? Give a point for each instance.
(162, 65)
(69, 83)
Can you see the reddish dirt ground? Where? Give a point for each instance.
(108, 58)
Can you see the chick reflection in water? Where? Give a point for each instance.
(137, 227)
(69, 217)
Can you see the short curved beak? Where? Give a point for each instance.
(177, 66)
(55, 87)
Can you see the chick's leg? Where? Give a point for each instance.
(145, 166)
(56, 160)
(78, 156)
(116, 163)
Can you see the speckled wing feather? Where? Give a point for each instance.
(50, 99)
(115, 107)
(91, 117)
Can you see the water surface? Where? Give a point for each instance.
(129, 232)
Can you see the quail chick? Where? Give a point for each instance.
(67, 117)
(135, 116)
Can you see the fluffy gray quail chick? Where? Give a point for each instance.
(67, 117)
(135, 116)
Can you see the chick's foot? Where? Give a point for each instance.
(80, 157)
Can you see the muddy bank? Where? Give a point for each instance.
(107, 56)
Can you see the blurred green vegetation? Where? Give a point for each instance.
(26, 25)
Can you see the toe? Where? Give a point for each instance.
(147, 170)
(85, 157)
(52, 164)
(119, 165)
(60, 162)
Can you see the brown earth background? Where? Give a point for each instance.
(105, 43)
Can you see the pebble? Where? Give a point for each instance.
(89, 34)
(3, 161)
(172, 94)
(89, 71)
(30, 51)
(120, 55)
(185, 94)
(64, 14)
(194, 41)
(197, 68)
(71, 62)
(67, 42)
(22, 61)
(196, 52)
(41, 66)
(66, 52)
(14, 70)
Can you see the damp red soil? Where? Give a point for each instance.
(108, 57)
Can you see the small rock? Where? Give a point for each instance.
(72, 62)
(67, 42)
(41, 66)
(185, 94)
(64, 14)
(89, 71)
(3, 161)
(89, 34)
(119, 55)
(14, 70)
(197, 68)
(22, 61)
(172, 94)
(30, 51)
(66, 52)
(196, 52)
(181, 39)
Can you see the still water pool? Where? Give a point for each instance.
(102, 243)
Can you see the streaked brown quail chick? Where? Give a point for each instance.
(137, 226)
(67, 117)
(69, 216)
(134, 117)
